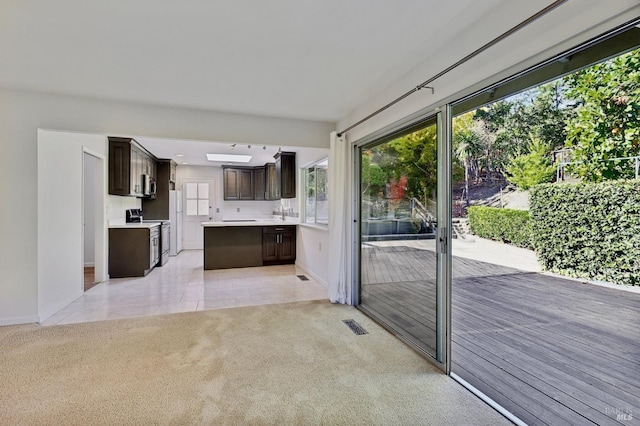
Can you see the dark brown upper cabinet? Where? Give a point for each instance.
(128, 164)
(285, 174)
(119, 168)
(259, 177)
(238, 183)
(271, 182)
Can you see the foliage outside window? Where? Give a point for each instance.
(588, 230)
(594, 114)
(607, 123)
(528, 170)
(316, 200)
(398, 186)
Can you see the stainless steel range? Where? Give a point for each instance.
(136, 215)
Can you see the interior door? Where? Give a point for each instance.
(198, 208)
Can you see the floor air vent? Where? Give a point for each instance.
(303, 278)
(355, 327)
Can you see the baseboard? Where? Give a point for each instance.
(59, 307)
(306, 269)
(18, 320)
(90, 264)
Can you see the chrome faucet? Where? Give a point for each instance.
(283, 213)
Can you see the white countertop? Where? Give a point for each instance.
(148, 225)
(257, 222)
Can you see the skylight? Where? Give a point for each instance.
(229, 158)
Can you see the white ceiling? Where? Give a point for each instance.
(285, 58)
(315, 60)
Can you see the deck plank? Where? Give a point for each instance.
(550, 350)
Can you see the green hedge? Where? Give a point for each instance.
(506, 225)
(588, 230)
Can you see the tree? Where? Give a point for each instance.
(550, 110)
(416, 159)
(492, 154)
(373, 178)
(607, 123)
(466, 147)
(533, 168)
(497, 130)
(542, 111)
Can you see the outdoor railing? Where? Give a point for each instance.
(563, 164)
(419, 210)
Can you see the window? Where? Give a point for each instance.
(197, 199)
(316, 200)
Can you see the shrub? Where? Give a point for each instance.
(506, 225)
(528, 170)
(588, 230)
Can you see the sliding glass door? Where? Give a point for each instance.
(398, 226)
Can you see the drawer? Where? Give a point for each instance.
(278, 229)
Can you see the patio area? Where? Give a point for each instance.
(550, 350)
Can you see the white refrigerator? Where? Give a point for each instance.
(175, 216)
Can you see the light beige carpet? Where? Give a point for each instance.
(278, 364)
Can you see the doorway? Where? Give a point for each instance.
(198, 208)
(93, 220)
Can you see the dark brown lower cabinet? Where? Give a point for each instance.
(246, 246)
(278, 245)
(232, 247)
(133, 252)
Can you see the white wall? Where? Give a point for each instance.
(118, 205)
(312, 253)
(312, 242)
(89, 208)
(22, 113)
(60, 217)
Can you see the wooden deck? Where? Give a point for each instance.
(550, 350)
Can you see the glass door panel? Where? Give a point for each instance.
(398, 211)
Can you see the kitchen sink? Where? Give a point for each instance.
(239, 220)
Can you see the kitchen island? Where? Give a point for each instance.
(248, 243)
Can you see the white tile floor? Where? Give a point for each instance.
(183, 285)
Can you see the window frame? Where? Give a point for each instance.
(313, 168)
